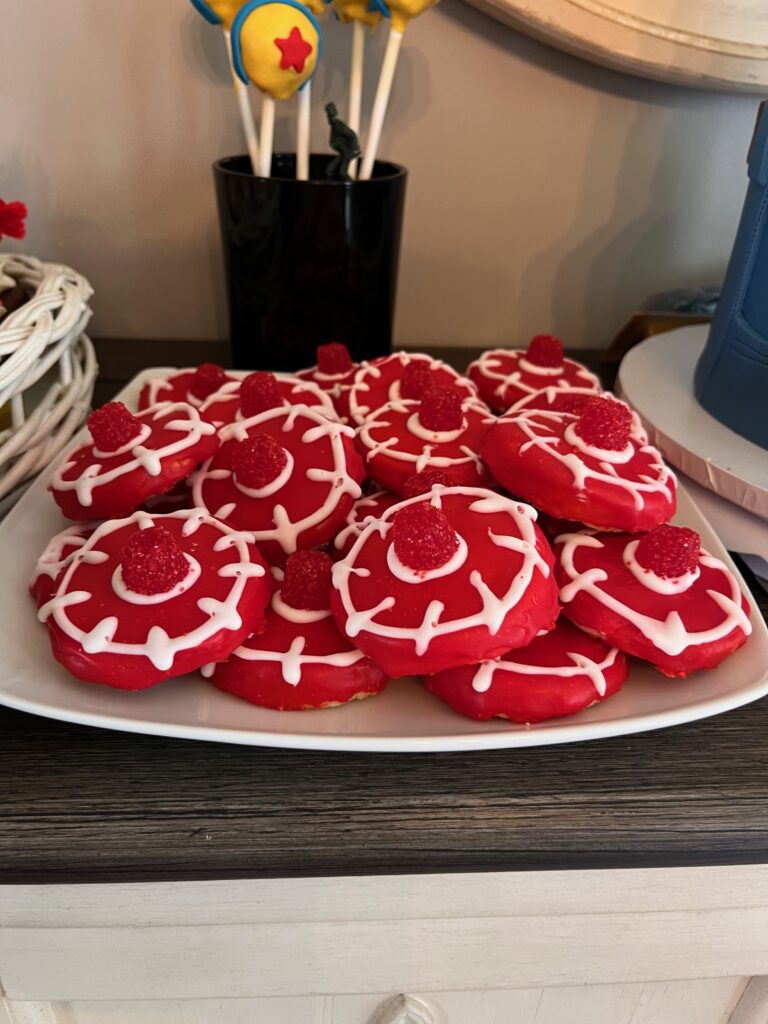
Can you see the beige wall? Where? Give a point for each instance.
(545, 194)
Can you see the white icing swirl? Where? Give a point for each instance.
(124, 592)
(582, 666)
(649, 579)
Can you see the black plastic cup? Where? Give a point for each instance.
(308, 262)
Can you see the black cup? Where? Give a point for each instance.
(308, 262)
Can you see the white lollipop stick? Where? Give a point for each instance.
(381, 102)
(302, 133)
(244, 104)
(267, 136)
(356, 84)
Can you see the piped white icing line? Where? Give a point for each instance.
(126, 594)
(490, 364)
(359, 404)
(286, 531)
(53, 559)
(294, 659)
(158, 387)
(294, 391)
(188, 424)
(429, 455)
(581, 666)
(660, 479)
(669, 635)
(299, 616)
(355, 524)
(158, 647)
(649, 579)
(494, 609)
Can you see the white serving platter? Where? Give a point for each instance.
(404, 719)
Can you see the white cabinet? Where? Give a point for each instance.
(671, 946)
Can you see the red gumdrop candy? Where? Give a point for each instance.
(259, 392)
(423, 537)
(152, 562)
(207, 378)
(669, 551)
(416, 379)
(605, 423)
(566, 401)
(422, 483)
(545, 350)
(441, 409)
(113, 426)
(334, 358)
(307, 581)
(257, 461)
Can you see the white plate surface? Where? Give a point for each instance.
(405, 718)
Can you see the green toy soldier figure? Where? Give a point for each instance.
(344, 143)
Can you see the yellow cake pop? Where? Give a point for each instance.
(403, 11)
(219, 12)
(276, 45)
(317, 6)
(368, 12)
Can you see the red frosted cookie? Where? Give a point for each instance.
(131, 458)
(555, 399)
(58, 554)
(152, 597)
(239, 400)
(299, 660)
(191, 384)
(290, 476)
(559, 673)
(504, 376)
(659, 596)
(334, 372)
(439, 432)
(399, 376)
(447, 579)
(596, 468)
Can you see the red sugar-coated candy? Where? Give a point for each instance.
(207, 378)
(415, 379)
(565, 401)
(422, 483)
(307, 581)
(257, 461)
(545, 350)
(152, 562)
(259, 392)
(669, 551)
(605, 423)
(441, 409)
(113, 426)
(333, 358)
(423, 537)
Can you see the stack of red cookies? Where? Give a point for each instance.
(303, 539)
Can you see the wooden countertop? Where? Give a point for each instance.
(89, 805)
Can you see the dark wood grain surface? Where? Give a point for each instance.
(90, 805)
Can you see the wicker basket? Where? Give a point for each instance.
(47, 369)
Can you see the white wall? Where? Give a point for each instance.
(545, 193)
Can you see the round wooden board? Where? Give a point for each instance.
(707, 44)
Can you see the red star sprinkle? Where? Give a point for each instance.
(12, 217)
(295, 50)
